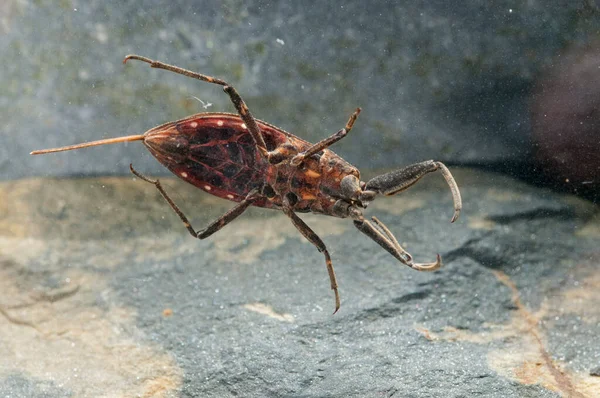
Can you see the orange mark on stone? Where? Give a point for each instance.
(530, 372)
(267, 310)
(425, 332)
(160, 387)
(523, 355)
(167, 312)
(562, 382)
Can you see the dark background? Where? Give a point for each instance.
(449, 81)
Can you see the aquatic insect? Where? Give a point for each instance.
(254, 163)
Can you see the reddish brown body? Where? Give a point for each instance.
(240, 158)
(216, 153)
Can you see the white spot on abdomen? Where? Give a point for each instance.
(207, 187)
(220, 123)
(243, 125)
(229, 196)
(183, 174)
(194, 125)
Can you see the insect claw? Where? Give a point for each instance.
(428, 266)
(455, 216)
(138, 57)
(337, 302)
(353, 119)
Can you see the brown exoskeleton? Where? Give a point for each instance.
(255, 163)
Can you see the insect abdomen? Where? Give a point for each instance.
(215, 153)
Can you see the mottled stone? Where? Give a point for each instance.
(104, 293)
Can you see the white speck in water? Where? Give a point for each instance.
(279, 41)
(84, 74)
(101, 33)
(204, 104)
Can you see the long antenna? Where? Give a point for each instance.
(117, 140)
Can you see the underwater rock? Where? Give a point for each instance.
(100, 281)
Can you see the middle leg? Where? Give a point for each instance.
(315, 240)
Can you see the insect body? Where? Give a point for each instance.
(215, 152)
(253, 163)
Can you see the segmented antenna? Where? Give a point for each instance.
(117, 140)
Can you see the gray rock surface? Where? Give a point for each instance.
(435, 79)
(104, 293)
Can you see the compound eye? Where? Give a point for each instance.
(350, 187)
